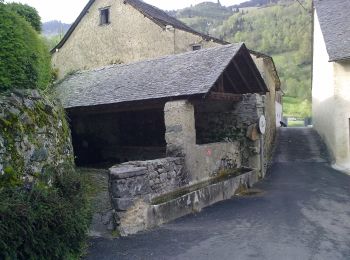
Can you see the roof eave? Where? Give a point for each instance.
(340, 59)
(73, 26)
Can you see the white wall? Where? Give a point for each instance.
(279, 113)
(331, 100)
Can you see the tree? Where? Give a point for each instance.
(29, 13)
(24, 58)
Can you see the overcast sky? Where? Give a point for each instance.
(68, 10)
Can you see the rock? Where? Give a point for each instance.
(39, 155)
(126, 172)
(26, 120)
(122, 204)
(14, 111)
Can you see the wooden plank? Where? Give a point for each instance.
(224, 96)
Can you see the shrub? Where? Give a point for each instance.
(29, 13)
(45, 222)
(24, 58)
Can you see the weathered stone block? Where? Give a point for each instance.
(39, 155)
(127, 172)
(122, 204)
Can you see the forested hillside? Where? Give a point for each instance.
(282, 30)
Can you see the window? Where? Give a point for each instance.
(104, 16)
(196, 47)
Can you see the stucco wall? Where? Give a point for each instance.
(205, 160)
(202, 161)
(331, 100)
(341, 113)
(129, 37)
(268, 106)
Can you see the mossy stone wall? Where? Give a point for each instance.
(34, 136)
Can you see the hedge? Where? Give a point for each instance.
(24, 58)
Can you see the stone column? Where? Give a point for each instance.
(180, 127)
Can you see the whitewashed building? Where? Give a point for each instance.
(331, 77)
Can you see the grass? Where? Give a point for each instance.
(296, 123)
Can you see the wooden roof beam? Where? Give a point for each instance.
(228, 77)
(242, 76)
(224, 96)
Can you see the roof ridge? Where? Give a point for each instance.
(199, 52)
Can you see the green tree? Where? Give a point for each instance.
(24, 58)
(29, 13)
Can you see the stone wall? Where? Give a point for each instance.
(129, 37)
(238, 141)
(136, 183)
(34, 135)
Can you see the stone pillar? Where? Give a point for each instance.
(180, 127)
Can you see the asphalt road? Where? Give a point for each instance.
(303, 212)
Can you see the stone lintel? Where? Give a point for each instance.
(127, 172)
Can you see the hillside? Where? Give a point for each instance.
(282, 30)
(53, 28)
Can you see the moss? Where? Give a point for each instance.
(45, 113)
(10, 178)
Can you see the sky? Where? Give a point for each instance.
(68, 10)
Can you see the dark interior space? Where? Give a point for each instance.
(112, 138)
(215, 121)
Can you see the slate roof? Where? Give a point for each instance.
(334, 17)
(155, 14)
(183, 75)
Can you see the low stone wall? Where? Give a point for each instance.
(136, 211)
(138, 182)
(34, 135)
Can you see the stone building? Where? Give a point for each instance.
(123, 31)
(191, 116)
(173, 107)
(331, 77)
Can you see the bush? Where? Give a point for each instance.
(24, 58)
(29, 13)
(45, 222)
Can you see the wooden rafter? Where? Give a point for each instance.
(224, 96)
(242, 76)
(228, 77)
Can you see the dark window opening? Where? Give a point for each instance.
(104, 16)
(216, 121)
(196, 47)
(108, 139)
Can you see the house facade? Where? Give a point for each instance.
(134, 31)
(331, 77)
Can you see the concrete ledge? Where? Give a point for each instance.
(196, 200)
